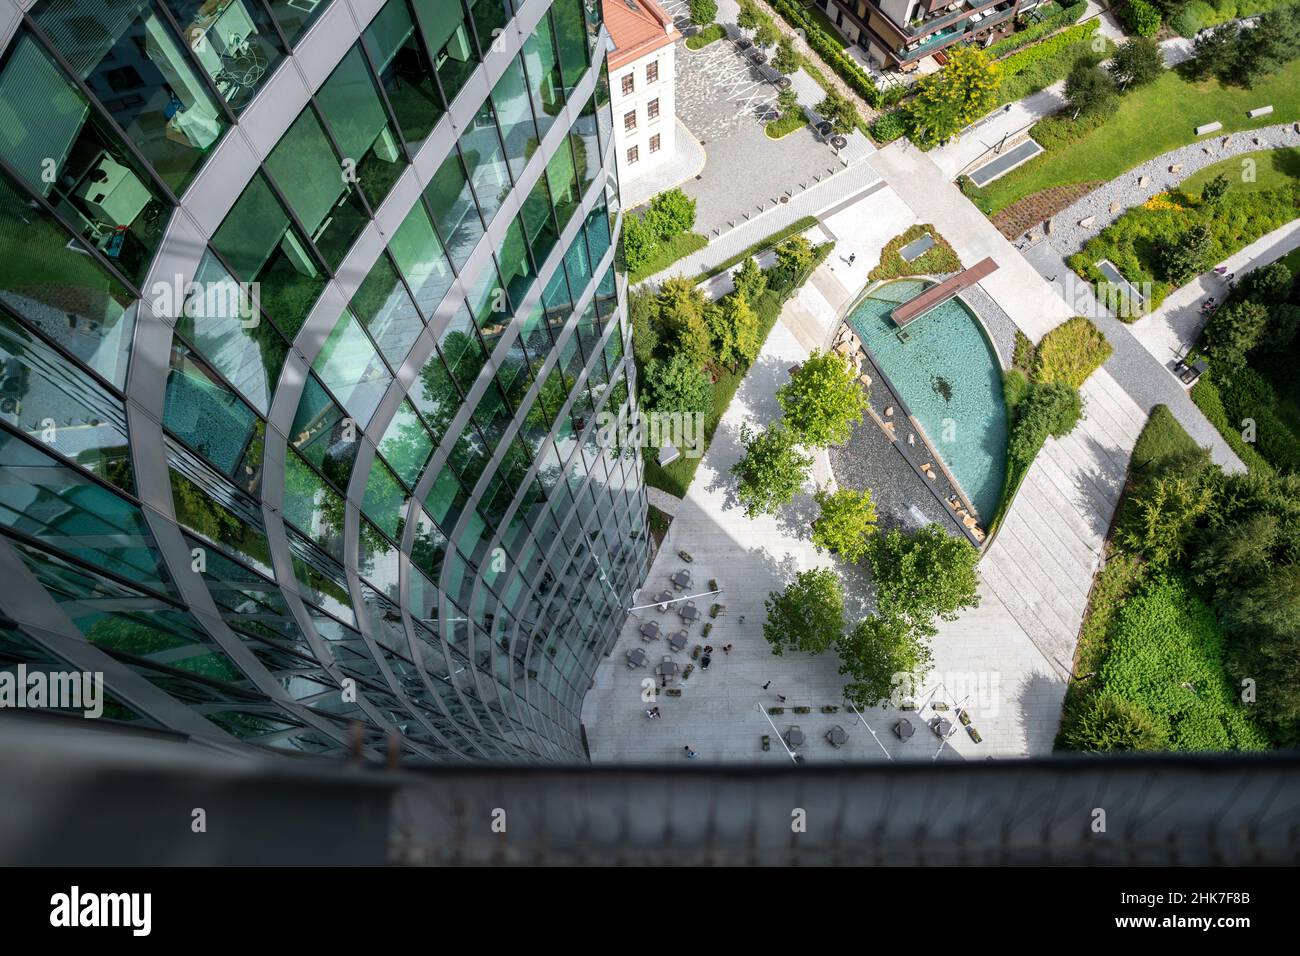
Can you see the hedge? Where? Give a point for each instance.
(1039, 66)
(711, 33)
(1032, 34)
(830, 52)
(1206, 396)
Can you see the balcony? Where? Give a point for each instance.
(969, 24)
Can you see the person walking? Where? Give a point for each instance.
(705, 661)
(690, 754)
(781, 698)
(767, 685)
(726, 648)
(852, 256)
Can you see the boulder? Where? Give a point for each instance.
(1087, 221)
(1143, 180)
(1176, 168)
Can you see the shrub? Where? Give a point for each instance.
(808, 615)
(1109, 723)
(1166, 658)
(1088, 88)
(840, 111)
(1043, 64)
(1235, 329)
(710, 34)
(1071, 352)
(847, 520)
(830, 52)
(937, 260)
(735, 329)
(671, 212)
(1062, 18)
(1160, 520)
(1141, 17)
(948, 101)
(890, 126)
(787, 57)
(1015, 386)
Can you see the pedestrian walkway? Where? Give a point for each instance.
(1169, 331)
(686, 162)
(816, 197)
(1043, 557)
(665, 502)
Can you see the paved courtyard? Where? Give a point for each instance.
(984, 660)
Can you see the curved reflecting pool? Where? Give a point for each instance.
(948, 375)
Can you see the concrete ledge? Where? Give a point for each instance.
(1210, 127)
(1262, 111)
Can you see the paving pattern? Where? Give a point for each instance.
(1043, 557)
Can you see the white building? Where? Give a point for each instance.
(642, 67)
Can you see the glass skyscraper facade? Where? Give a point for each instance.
(309, 320)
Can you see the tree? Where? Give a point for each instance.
(876, 654)
(823, 400)
(639, 241)
(923, 575)
(1181, 258)
(750, 280)
(787, 101)
(1270, 44)
(677, 385)
(1163, 516)
(682, 305)
(643, 310)
(840, 111)
(767, 35)
(735, 328)
(1088, 89)
(1136, 63)
(750, 15)
(1236, 329)
(847, 520)
(786, 59)
(808, 615)
(703, 12)
(1216, 53)
(672, 212)
(1270, 284)
(771, 471)
(956, 96)
(1049, 408)
(793, 256)
(1214, 191)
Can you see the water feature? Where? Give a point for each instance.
(948, 374)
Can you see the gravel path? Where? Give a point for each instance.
(1107, 203)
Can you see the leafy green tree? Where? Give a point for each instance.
(1088, 89)
(677, 385)
(1213, 192)
(1049, 408)
(823, 400)
(672, 212)
(840, 111)
(703, 12)
(876, 653)
(1109, 723)
(682, 306)
(735, 329)
(1181, 258)
(767, 35)
(923, 575)
(750, 15)
(786, 59)
(847, 520)
(787, 101)
(640, 240)
(948, 101)
(808, 615)
(1284, 322)
(1236, 329)
(1270, 603)
(793, 256)
(1136, 63)
(771, 471)
(750, 280)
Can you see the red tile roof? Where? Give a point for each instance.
(637, 27)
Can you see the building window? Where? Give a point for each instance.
(652, 72)
(654, 143)
(629, 120)
(629, 84)
(652, 109)
(633, 154)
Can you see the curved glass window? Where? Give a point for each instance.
(453, 208)
(234, 42)
(448, 39)
(201, 411)
(352, 370)
(356, 116)
(387, 312)
(419, 255)
(405, 71)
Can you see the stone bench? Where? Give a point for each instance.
(1262, 111)
(1209, 128)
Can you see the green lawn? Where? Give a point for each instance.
(666, 253)
(1272, 168)
(828, 25)
(786, 125)
(1150, 121)
(710, 34)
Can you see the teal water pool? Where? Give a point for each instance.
(949, 376)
